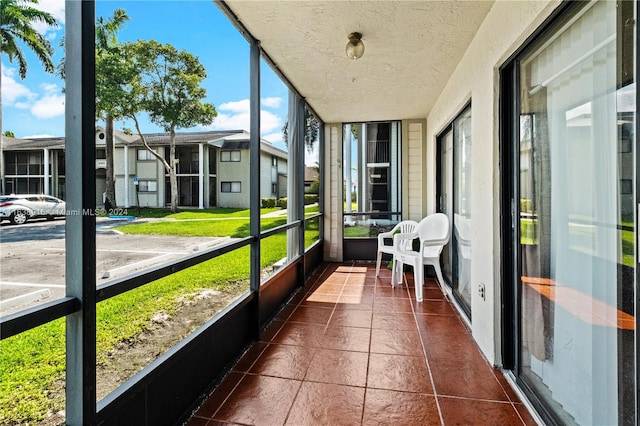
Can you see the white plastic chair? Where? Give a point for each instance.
(462, 233)
(403, 227)
(433, 232)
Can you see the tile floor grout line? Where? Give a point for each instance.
(335, 305)
(284, 422)
(424, 352)
(213, 415)
(366, 382)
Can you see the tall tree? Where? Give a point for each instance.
(17, 19)
(166, 84)
(106, 46)
(311, 129)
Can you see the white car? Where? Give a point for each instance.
(19, 208)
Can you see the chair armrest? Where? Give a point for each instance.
(434, 243)
(397, 238)
(382, 236)
(388, 234)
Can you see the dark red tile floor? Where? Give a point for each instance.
(352, 350)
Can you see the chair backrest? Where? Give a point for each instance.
(407, 227)
(435, 229)
(462, 233)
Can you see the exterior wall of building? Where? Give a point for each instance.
(333, 208)
(234, 171)
(413, 167)
(476, 79)
(282, 172)
(268, 176)
(150, 171)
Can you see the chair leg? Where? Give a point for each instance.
(396, 272)
(378, 263)
(436, 266)
(418, 273)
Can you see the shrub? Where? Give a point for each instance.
(310, 198)
(268, 203)
(282, 203)
(314, 188)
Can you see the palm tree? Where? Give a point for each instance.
(106, 40)
(311, 129)
(17, 18)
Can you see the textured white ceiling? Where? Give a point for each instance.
(411, 49)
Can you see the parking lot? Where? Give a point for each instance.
(32, 258)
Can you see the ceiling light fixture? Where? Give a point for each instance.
(355, 47)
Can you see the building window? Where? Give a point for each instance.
(230, 187)
(147, 185)
(230, 155)
(101, 153)
(145, 155)
(274, 188)
(274, 161)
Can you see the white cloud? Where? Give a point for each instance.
(44, 135)
(237, 106)
(48, 103)
(274, 137)
(269, 121)
(231, 122)
(48, 106)
(55, 8)
(239, 118)
(12, 91)
(271, 102)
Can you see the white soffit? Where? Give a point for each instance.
(411, 50)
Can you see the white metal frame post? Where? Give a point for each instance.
(80, 242)
(254, 178)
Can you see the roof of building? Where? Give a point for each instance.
(311, 174)
(15, 144)
(224, 139)
(186, 137)
(241, 141)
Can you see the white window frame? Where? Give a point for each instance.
(147, 185)
(147, 156)
(234, 187)
(230, 155)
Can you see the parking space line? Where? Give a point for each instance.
(123, 251)
(18, 284)
(24, 299)
(109, 273)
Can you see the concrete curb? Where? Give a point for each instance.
(25, 299)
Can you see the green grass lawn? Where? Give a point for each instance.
(236, 228)
(32, 363)
(149, 212)
(582, 237)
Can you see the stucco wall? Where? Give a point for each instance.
(333, 193)
(234, 171)
(505, 29)
(413, 167)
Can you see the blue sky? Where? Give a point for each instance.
(35, 106)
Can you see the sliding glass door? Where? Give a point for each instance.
(454, 199)
(573, 206)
